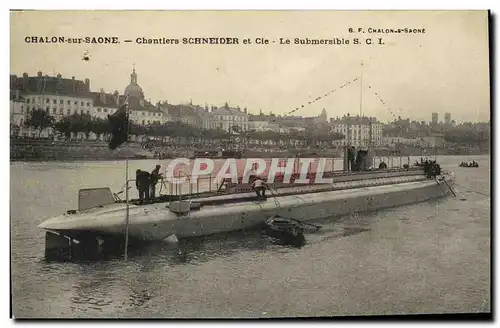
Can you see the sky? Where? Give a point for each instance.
(445, 69)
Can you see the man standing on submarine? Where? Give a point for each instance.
(143, 184)
(155, 177)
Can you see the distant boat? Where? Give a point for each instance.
(473, 164)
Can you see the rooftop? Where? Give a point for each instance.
(361, 120)
(180, 110)
(226, 110)
(56, 85)
(109, 100)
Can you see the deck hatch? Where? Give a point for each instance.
(94, 197)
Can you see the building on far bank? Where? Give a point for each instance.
(434, 141)
(106, 103)
(226, 117)
(435, 119)
(260, 126)
(17, 114)
(393, 141)
(57, 95)
(447, 118)
(357, 131)
(186, 114)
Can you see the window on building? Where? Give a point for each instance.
(28, 100)
(88, 112)
(68, 111)
(88, 104)
(105, 110)
(47, 109)
(148, 122)
(61, 111)
(61, 102)
(54, 110)
(81, 112)
(54, 101)
(99, 110)
(76, 102)
(143, 114)
(143, 122)
(69, 102)
(81, 103)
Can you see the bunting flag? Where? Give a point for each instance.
(321, 97)
(119, 122)
(382, 101)
(389, 110)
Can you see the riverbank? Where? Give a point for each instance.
(49, 150)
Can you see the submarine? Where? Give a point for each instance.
(101, 216)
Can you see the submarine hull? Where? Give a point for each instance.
(155, 222)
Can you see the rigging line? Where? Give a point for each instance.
(323, 96)
(469, 189)
(387, 107)
(381, 100)
(127, 108)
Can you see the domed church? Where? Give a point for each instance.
(134, 91)
(141, 111)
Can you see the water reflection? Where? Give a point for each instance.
(196, 250)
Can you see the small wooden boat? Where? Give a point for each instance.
(288, 229)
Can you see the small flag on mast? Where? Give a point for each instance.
(119, 122)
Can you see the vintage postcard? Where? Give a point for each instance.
(249, 164)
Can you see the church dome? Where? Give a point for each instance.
(134, 90)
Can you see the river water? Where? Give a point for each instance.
(424, 258)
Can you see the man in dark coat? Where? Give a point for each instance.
(143, 183)
(155, 177)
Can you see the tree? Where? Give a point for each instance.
(135, 129)
(64, 127)
(100, 126)
(40, 120)
(79, 123)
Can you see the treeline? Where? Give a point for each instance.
(41, 120)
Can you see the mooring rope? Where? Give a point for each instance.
(475, 191)
(274, 196)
